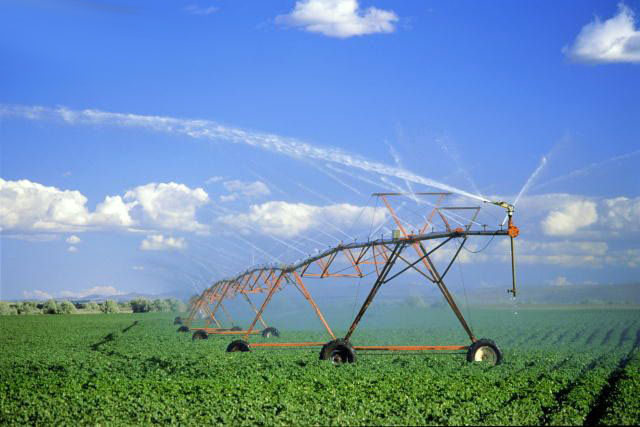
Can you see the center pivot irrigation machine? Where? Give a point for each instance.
(384, 259)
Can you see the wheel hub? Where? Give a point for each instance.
(336, 358)
(486, 354)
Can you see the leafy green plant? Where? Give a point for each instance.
(50, 307)
(66, 307)
(7, 309)
(109, 306)
(140, 305)
(134, 368)
(28, 307)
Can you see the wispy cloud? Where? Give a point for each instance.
(339, 18)
(214, 180)
(613, 40)
(106, 291)
(205, 129)
(194, 9)
(36, 294)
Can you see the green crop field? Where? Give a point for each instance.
(561, 366)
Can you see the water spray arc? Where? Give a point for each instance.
(385, 259)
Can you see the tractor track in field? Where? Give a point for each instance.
(546, 336)
(561, 337)
(593, 336)
(624, 336)
(560, 396)
(576, 336)
(607, 336)
(517, 394)
(603, 400)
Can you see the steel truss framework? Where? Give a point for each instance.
(384, 259)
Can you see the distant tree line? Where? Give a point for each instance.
(138, 305)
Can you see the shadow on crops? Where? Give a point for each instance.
(111, 337)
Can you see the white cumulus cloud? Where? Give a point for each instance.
(30, 206)
(158, 242)
(169, 205)
(72, 249)
(627, 257)
(566, 253)
(339, 18)
(621, 213)
(559, 281)
(26, 205)
(239, 189)
(113, 212)
(291, 219)
(570, 218)
(73, 240)
(613, 40)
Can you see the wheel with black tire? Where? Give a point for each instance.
(238, 345)
(236, 328)
(485, 351)
(338, 352)
(200, 335)
(183, 328)
(177, 321)
(270, 332)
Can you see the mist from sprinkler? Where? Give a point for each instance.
(206, 129)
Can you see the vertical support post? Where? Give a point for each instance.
(376, 286)
(307, 295)
(513, 269)
(273, 289)
(513, 233)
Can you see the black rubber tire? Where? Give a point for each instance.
(270, 332)
(238, 345)
(492, 356)
(183, 329)
(236, 328)
(200, 335)
(338, 352)
(177, 321)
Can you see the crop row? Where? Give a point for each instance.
(129, 369)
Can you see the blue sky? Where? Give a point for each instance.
(471, 95)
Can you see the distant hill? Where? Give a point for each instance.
(129, 297)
